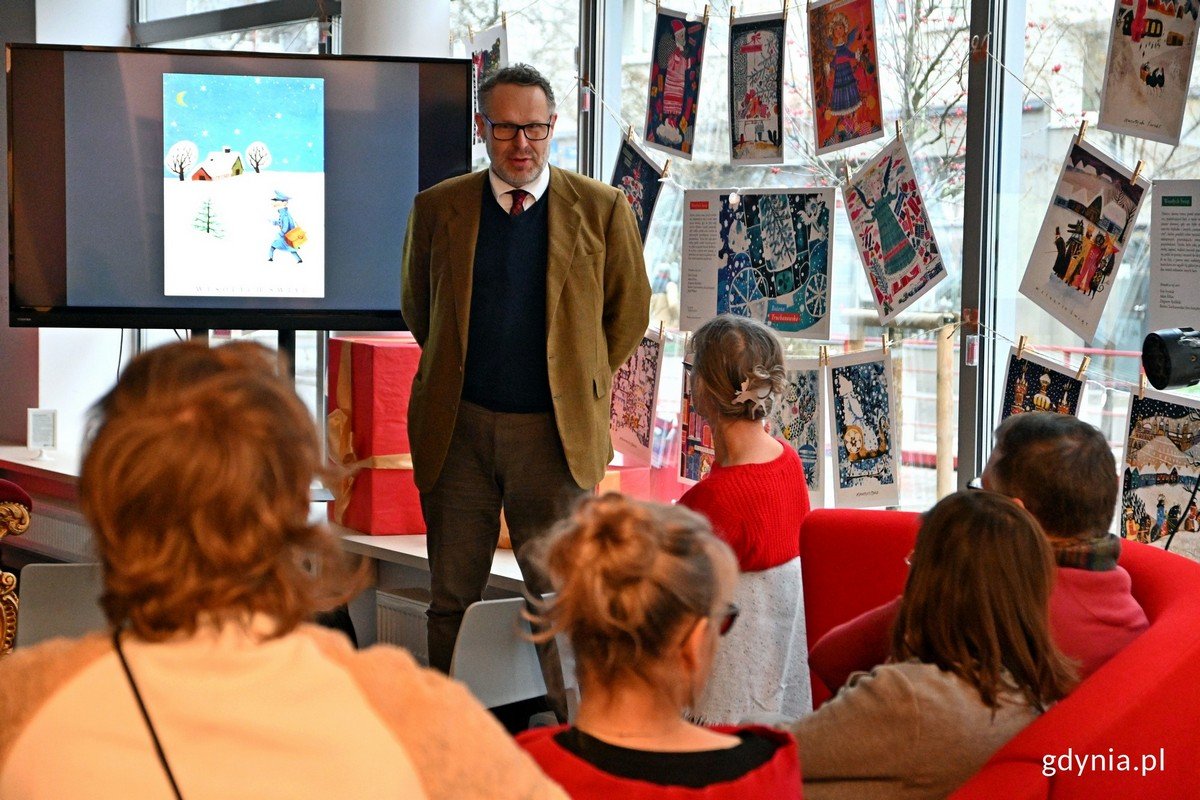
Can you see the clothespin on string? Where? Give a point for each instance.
(1141, 385)
(786, 3)
(897, 129)
(707, 8)
(666, 169)
(1082, 128)
(1087, 361)
(823, 356)
(660, 330)
(1021, 342)
(1137, 171)
(504, 20)
(732, 14)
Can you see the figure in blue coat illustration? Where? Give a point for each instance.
(283, 223)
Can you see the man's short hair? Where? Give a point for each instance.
(517, 75)
(1060, 467)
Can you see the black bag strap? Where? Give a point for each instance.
(158, 749)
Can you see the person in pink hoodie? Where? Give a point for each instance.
(1062, 470)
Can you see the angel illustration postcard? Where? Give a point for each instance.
(845, 74)
(892, 230)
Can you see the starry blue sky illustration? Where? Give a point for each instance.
(214, 111)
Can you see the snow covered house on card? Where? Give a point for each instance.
(223, 163)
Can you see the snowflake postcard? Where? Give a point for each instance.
(845, 74)
(243, 186)
(756, 47)
(1160, 468)
(1151, 47)
(1077, 253)
(637, 176)
(489, 52)
(865, 437)
(763, 254)
(676, 58)
(891, 227)
(1034, 383)
(798, 417)
(635, 399)
(696, 453)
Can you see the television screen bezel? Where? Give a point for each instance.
(66, 316)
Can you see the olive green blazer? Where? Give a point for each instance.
(597, 308)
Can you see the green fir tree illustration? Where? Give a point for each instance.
(206, 220)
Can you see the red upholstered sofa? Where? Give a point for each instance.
(1145, 702)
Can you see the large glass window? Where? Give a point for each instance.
(164, 9)
(1060, 83)
(544, 35)
(922, 50)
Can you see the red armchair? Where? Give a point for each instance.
(1142, 703)
(852, 561)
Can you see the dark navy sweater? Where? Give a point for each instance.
(506, 341)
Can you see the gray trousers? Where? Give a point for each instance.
(496, 460)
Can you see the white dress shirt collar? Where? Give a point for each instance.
(501, 188)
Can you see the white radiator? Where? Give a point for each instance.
(400, 620)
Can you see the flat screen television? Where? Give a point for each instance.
(193, 189)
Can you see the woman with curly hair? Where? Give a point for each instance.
(209, 683)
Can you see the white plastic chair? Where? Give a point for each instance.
(59, 600)
(493, 655)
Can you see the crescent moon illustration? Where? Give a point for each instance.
(179, 99)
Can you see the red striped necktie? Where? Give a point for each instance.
(518, 201)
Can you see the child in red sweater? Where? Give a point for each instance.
(643, 592)
(755, 497)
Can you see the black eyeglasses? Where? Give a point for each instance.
(506, 131)
(731, 615)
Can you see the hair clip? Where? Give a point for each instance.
(757, 395)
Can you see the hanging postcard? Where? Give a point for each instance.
(635, 399)
(1034, 383)
(1083, 237)
(1150, 52)
(866, 439)
(674, 83)
(696, 453)
(489, 52)
(638, 179)
(1174, 241)
(892, 230)
(756, 46)
(763, 254)
(845, 74)
(799, 418)
(1160, 469)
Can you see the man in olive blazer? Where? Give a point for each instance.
(518, 419)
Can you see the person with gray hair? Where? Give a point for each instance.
(755, 496)
(526, 289)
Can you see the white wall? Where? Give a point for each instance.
(396, 27)
(98, 22)
(78, 365)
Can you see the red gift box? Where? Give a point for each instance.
(368, 434)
